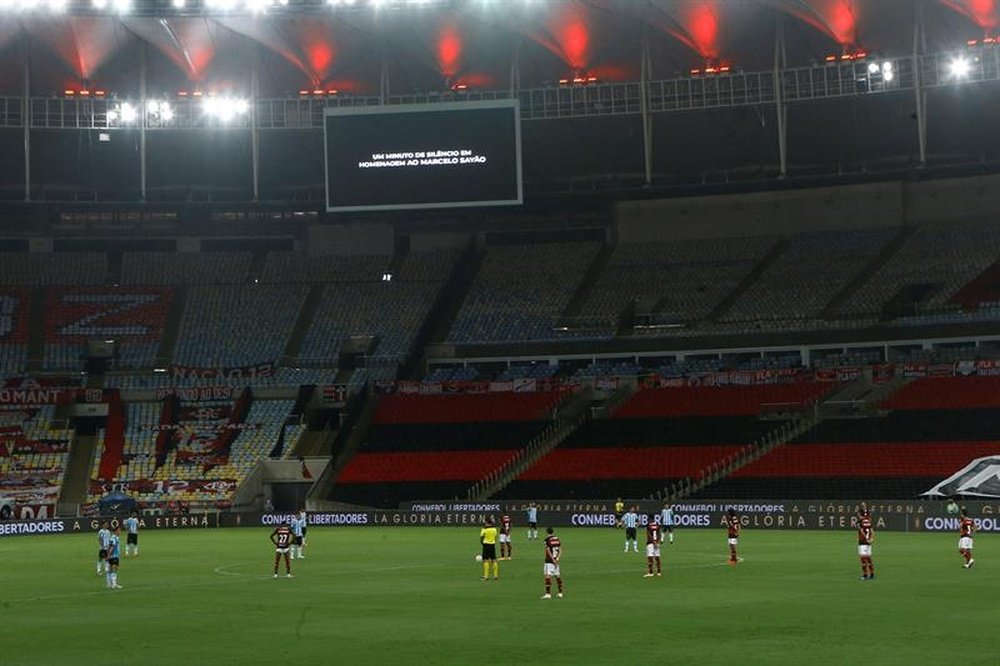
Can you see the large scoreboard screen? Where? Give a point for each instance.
(442, 155)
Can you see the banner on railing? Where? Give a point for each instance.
(247, 373)
(198, 393)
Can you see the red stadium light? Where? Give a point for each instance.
(85, 93)
(972, 42)
(831, 58)
(860, 55)
(564, 82)
(69, 93)
(846, 56)
(318, 91)
(332, 92)
(724, 69)
(196, 93)
(303, 92)
(460, 86)
(182, 93)
(591, 79)
(711, 70)
(990, 40)
(695, 72)
(99, 93)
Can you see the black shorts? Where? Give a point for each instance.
(630, 533)
(102, 554)
(113, 561)
(489, 551)
(304, 529)
(132, 539)
(670, 528)
(533, 525)
(297, 541)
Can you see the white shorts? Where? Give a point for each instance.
(732, 542)
(551, 570)
(965, 543)
(864, 550)
(281, 551)
(504, 538)
(652, 550)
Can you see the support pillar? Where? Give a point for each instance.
(26, 119)
(918, 86)
(645, 72)
(143, 120)
(254, 129)
(781, 108)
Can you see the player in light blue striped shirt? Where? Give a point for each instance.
(296, 524)
(103, 539)
(631, 521)
(667, 519)
(114, 551)
(132, 540)
(532, 521)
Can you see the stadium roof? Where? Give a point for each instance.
(432, 44)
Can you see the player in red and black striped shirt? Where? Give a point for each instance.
(281, 537)
(506, 547)
(733, 535)
(866, 536)
(553, 554)
(966, 527)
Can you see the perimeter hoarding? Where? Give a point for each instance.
(826, 515)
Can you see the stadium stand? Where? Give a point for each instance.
(656, 437)
(936, 427)
(685, 279)
(52, 268)
(14, 307)
(191, 455)
(237, 325)
(134, 317)
(33, 454)
(521, 290)
(184, 268)
(295, 267)
(930, 268)
(808, 274)
(438, 446)
(360, 302)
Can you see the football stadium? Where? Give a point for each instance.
(328, 327)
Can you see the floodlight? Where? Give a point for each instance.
(959, 67)
(121, 6)
(159, 110)
(873, 68)
(225, 109)
(99, 4)
(178, 4)
(126, 113)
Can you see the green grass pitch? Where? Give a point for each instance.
(414, 596)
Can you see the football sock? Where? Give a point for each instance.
(671, 537)
(496, 568)
(559, 584)
(548, 586)
(659, 568)
(486, 568)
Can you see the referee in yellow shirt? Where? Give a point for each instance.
(488, 538)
